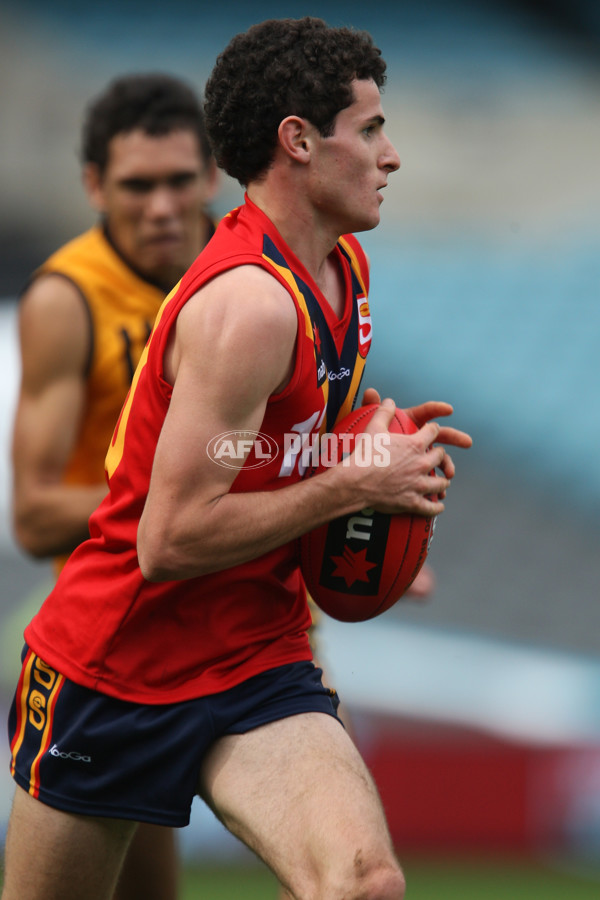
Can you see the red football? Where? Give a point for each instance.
(359, 565)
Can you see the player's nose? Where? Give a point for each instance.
(390, 159)
(161, 202)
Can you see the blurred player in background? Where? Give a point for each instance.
(84, 319)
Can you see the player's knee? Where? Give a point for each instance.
(383, 883)
(378, 882)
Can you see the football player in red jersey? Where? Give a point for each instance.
(191, 648)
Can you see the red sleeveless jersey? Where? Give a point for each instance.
(104, 626)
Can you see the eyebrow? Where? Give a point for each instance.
(147, 180)
(376, 120)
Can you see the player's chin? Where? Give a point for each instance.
(164, 256)
(165, 262)
(368, 222)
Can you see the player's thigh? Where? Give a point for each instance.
(55, 855)
(299, 794)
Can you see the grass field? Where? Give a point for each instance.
(426, 880)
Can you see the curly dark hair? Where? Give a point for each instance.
(279, 68)
(154, 102)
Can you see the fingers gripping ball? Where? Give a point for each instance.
(357, 566)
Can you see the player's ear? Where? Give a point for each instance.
(294, 138)
(93, 184)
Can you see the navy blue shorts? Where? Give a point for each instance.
(88, 753)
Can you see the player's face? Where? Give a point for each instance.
(152, 194)
(352, 166)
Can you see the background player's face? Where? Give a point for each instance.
(352, 165)
(151, 194)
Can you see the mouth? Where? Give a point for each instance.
(167, 239)
(164, 237)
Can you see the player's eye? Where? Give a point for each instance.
(137, 185)
(182, 180)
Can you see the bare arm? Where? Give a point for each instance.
(191, 523)
(50, 518)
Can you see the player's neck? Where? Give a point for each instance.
(306, 234)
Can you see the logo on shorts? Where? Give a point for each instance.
(72, 754)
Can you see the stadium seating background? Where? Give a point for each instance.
(486, 276)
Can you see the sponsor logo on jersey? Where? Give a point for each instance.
(337, 376)
(365, 329)
(319, 359)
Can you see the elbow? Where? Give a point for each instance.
(159, 556)
(169, 550)
(163, 559)
(155, 573)
(35, 549)
(152, 551)
(30, 539)
(154, 566)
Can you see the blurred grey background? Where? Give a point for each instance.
(485, 284)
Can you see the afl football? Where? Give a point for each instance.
(357, 566)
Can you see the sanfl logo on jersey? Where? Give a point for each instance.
(365, 329)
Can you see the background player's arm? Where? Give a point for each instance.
(226, 359)
(50, 518)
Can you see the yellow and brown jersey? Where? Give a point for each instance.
(121, 307)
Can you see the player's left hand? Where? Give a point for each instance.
(424, 413)
(433, 409)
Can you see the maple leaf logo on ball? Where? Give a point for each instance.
(353, 566)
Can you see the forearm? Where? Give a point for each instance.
(238, 527)
(190, 527)
(52, 520)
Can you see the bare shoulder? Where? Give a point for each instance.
(53, 326)
(53, 301)
(239, 315)
(247, 294)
